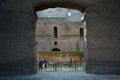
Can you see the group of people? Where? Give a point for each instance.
(42, 64)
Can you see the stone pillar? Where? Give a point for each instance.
(17, 39)
(103, 37)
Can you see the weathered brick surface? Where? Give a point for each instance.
(103, 37)
(68, 35)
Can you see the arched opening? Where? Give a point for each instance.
(18, 29)
(63, 4)
(81, 33)
(55, 30)
(69, 42)
(55, 49)
(55, 43)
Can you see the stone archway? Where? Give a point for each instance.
(55, 49)
(99, 62)
(77, 5)
(17, 31)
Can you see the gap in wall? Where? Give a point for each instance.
(60, 36)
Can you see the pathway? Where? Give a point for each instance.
(62, 76)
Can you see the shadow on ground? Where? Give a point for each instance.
(62, 76)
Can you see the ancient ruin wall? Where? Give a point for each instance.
(17, 42)
(103, 37)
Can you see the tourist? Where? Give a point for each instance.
(44, 62)
(40, 65)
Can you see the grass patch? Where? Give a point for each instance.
(61, 57)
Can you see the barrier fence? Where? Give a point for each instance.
(55, 67)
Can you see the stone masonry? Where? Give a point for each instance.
(17, 34)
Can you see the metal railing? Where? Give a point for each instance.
(57, 67)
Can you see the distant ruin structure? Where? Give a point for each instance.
(59, 28)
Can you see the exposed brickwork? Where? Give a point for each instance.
(68, 35)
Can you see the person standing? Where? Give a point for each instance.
(40, 65)
(44, 62)
(70, 62)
